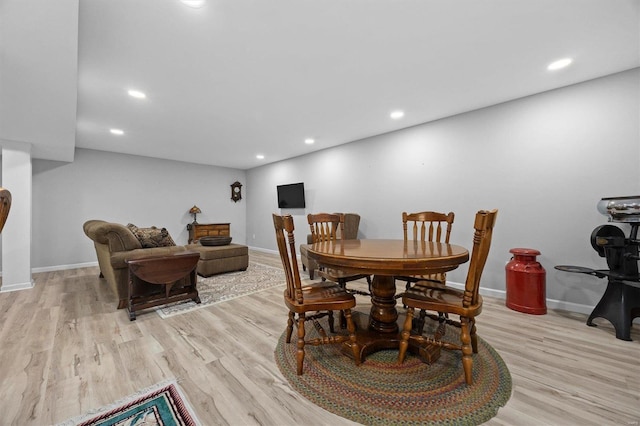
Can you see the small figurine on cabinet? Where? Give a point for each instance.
(236, 192)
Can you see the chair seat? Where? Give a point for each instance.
(325, 290)
(441, 299)
(337, 275)
(409, 278)
(431, 279)
(322, 295)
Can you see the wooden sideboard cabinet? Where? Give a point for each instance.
(199, 230)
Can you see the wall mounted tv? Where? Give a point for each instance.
(291, 196)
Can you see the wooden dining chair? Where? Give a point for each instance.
(327, 227)
(5, 206)
(321, 298)
(467, 303)
(426, 227)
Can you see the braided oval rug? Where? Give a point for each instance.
(381, 392)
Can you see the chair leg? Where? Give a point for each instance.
(290, 326)
(352, 336)
(467, 361)
(300, 350)
(343, 321)
(474, 337)
(442, 326)
(331, 321)
(406, 288)
(406, 331)
(420, 321)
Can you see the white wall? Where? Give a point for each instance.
(16, 234)
(124, 189)
(544, 161)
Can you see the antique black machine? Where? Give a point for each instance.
(620, 303)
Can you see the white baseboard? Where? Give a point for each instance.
(264, 250)
(15, 287)
(64, 267)
(551, 303)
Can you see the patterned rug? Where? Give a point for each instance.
(223, 287)
(381, 392)
(162, 405)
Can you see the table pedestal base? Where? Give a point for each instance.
(371, 341)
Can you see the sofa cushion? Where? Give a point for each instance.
(152, 237)
(119, 259)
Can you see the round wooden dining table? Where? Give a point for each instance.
(385, 259)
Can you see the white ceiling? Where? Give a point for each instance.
(236, 78)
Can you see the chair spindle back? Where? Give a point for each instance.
(430, 224)
(483, 225)
(287, 247)
(324, 226)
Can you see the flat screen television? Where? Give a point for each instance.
(291, 196)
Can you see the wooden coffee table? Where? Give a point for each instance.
(159, 280)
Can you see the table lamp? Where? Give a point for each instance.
(194, 211)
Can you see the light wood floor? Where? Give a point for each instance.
(65, 350)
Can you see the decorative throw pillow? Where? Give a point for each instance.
(152, 237)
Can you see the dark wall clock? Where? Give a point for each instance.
(236, 191)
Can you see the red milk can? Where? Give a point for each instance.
(526, 282)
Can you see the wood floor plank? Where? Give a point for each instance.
(65, 350)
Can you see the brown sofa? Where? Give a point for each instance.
(351, 225)
(116, 243)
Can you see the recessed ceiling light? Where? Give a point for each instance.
(309, 141)
(260, 157)
(397, 115)
(117, 131)
(136, 94)
(559, 64)
(193, 3)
